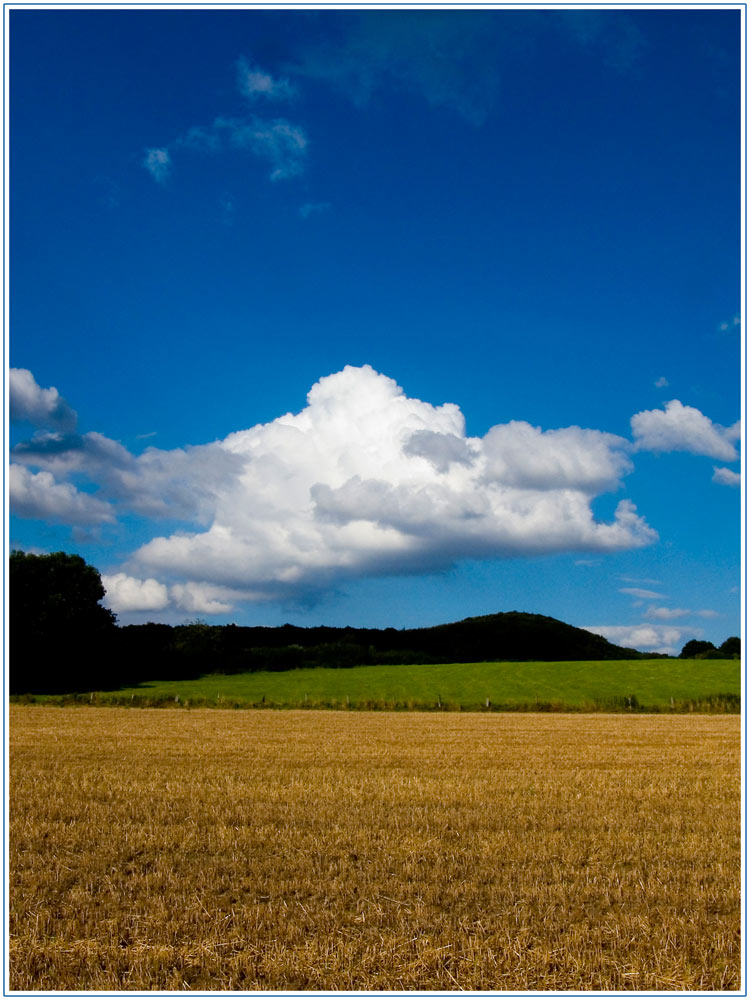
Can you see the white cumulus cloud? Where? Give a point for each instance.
(181, 483)
(683, 428)
(646, 637)
(202, 598)
(38, 495)
(366, 480)
(573, 457)
(726, 477)
(362, 481)
(41, 407)
(127, 593)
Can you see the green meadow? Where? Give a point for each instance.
(657, 685)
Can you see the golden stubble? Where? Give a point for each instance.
(305, 850)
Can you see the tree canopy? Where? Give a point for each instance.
(58, 628)
(701, 649)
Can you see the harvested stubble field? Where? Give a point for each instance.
(210, 849)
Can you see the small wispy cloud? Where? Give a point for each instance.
(730, 324)
(280, 142)
(254, 82)
(726, 477)
(647, 595)
(666, 614)
(670, 614)
(661, 382)
(228, 210)
(200, 138)
(313, 208)
(158, 163)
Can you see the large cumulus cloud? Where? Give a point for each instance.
(363, 480)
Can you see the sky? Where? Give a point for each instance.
(381, 317)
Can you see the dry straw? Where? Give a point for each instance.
(220, 850)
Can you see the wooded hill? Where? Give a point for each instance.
(62, 639)
(165, 651)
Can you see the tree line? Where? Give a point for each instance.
(63, 639)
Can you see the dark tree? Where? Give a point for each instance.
(696, 648)
(731, 648)
(60, 635)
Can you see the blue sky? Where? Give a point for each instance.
(530, 216)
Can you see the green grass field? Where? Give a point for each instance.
(660, 685)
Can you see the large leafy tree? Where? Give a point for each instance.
(60, 634)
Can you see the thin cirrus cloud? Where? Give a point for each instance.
(362, 481)
(683, 428)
